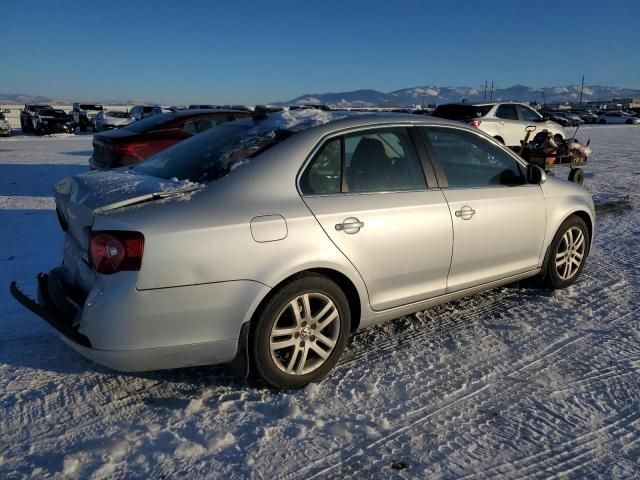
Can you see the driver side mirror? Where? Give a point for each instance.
(535, 175)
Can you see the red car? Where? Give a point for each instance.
(139, 140)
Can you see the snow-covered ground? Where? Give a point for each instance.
(516, 382)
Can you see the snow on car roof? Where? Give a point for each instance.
(298, 120)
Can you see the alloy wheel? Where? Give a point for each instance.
(304, 334)
(570, 253)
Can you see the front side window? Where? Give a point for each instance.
(507, 112)
(527, 114)
(382, 160)
(469, 161)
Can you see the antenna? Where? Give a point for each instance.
(581, 90)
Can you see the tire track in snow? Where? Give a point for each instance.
(428, 411)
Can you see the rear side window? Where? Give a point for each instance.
(469, 161)
(382, 160)
(507, 112)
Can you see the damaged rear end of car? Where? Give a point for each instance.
(101, 260)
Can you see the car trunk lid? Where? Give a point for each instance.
(80, 198)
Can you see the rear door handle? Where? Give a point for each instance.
(465, 213)
(350, 225)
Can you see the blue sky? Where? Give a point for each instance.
(255, 52)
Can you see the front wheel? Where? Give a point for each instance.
(576, 175)
(567, 253)
(301, 332)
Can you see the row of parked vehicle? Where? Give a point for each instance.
(603, 117)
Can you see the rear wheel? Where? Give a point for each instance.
(301, 332)
(567, 253)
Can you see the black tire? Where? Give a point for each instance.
(576, 175)
(629, 122)
(83, 127)
(551, 277)
(263, 324)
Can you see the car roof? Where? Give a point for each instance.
(341, 120)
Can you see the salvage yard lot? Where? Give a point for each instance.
(517, 381)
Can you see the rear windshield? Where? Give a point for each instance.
(90, 107)
(461, 112)
(149, 123)
(118, 114)
(53, 113)
(212, 154)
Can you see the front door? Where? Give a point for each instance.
(499, 220)
(368, 191)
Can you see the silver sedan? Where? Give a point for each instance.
(267, 241)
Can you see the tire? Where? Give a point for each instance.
(297, 362)
(576, 175)
(83, 127)
(556, 273)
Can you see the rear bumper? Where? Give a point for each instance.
(135, 331)
(46, 309)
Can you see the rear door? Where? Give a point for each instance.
(368, 190)
(510, 127)
(499, 220)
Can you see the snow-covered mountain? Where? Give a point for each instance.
(433, 94)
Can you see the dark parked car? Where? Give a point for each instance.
(139, 140)
(83, 114)
(27, 114)
(52, 120)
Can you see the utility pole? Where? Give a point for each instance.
(484, 98)
(491, 99)
(581, 90)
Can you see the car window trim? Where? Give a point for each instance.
(435, 175)
(342, 133)
(442, 177)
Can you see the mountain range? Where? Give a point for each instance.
(436, 95)
(405, 97)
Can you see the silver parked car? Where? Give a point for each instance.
(267, 242)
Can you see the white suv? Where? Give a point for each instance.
(505, 121)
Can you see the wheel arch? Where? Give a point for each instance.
(343, 281)
(584, 215)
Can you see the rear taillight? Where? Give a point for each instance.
(132, 153)
(475, 123)
(112, 251)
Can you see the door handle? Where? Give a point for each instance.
(465, 213)
(350, 225)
